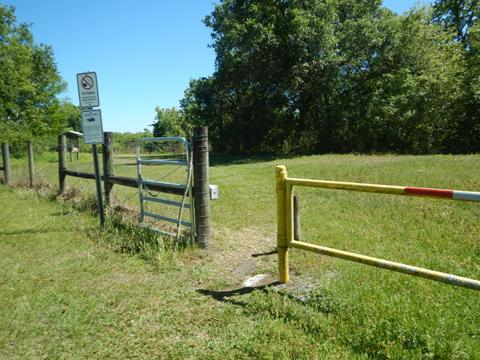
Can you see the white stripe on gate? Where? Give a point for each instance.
(466, 195)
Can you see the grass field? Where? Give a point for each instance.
(69, 291)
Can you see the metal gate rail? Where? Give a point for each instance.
(145, 195)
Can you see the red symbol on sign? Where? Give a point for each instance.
(87, 82)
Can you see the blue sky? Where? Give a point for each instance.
(144, 52)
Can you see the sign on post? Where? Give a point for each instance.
(92, 126)
(88, 90)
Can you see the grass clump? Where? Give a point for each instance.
(124, 234)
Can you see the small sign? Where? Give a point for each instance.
(92, 126)
(88, 90)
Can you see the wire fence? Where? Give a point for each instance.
(71, 176)
(45, 174)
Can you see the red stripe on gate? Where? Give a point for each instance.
(428, 192)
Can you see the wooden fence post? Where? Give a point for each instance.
(62, 162)
(107, 154)
(31, 166)
(201, 186)
(6, 163)
(98, 185)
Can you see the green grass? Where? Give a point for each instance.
(69, 291)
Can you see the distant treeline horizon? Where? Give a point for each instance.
(303, 77)
(292, 77)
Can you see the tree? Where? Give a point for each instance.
(460, 17)
(68, 116)
(170, 122)
(251, 101)
(29, 83)
(317, 76)
(457, 15)
(126, 142)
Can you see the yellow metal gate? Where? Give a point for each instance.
(285, 228)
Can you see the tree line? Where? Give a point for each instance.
(293, 77)
(29, 85)
(313, 76)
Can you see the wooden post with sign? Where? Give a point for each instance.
(92, 127)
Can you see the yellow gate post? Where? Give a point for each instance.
(282, 243)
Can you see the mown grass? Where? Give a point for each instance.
(69, 291)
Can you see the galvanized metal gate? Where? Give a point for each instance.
(183, 189)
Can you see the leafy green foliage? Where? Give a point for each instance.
(69, 115)
(459, 18)
(457, 15)
(316, 76)
(127, 142)
(170, 122)
(29, 83)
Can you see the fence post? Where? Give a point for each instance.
(282, 243)
(107, 155)
(62, 162)
(297, 232)
(98, 185)
(201, 186)
(6, 163)
(31, 165)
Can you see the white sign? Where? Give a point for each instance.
(92, 126)
(88, 90)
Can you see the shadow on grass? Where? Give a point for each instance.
(273, 252)
(320, 300)
(24, 231)
(224, 296)
(224, 160)
(215, 159)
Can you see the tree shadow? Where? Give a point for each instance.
(24, 231)
(225, 160)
